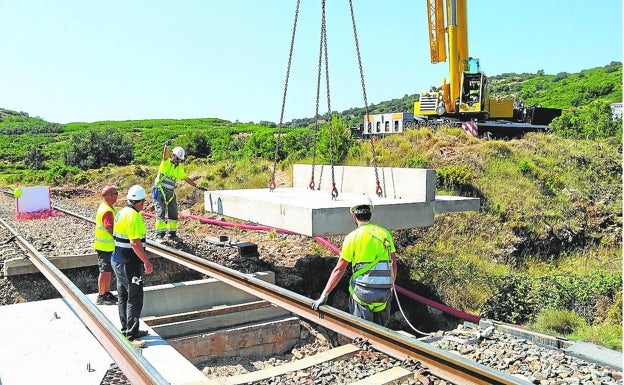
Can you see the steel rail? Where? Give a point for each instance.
(450, 367)
(134, 366)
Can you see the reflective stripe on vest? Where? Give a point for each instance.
(378, 276)
(103, 239)
(126, 219)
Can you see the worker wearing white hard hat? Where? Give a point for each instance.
(370, 251)
(163, 193)
(129, 262)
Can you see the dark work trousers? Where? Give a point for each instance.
(130, 293)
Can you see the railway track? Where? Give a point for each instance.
(406, 359)
(437, 362)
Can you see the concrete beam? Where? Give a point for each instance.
(195, 295)
(213, 323)
(17, 266)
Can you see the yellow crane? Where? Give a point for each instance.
(465, 96)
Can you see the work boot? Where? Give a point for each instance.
(104, 300)
(160, 236)
(110, 296)
(174, 237)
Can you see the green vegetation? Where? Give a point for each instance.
(545, 249)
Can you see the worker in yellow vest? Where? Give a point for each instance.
(163, 193)
(104, 244)
(130, 261)
(370, 251)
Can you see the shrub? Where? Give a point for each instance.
(95, 149)
(419, 162)
(455, 176)
(558, 321)
(514, 302)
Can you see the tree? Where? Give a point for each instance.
(595, 121)
(334, 144)
(95, 149)
(199, 146)
(35, 158)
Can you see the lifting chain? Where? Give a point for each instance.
(316, 110)
(334, 192)
(378, 189)
(279, 127)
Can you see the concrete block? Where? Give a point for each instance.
(195, 295)
(275, 337)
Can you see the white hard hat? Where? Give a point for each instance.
(362, 205)
(136, 193)
(179, 152)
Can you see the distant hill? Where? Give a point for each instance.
(562, 90)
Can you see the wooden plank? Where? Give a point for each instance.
(386, 377)
(328, 355)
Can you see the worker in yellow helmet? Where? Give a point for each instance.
(370, 251)
(129, 261)
(104, 244)
(163, 192)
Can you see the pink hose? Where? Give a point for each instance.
(335, 250)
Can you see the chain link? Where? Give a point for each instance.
(334, 192)
(378, 189)
(279, 126)
(316, 110)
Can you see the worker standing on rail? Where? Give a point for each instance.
(370, 251)
(163, 192)
(129, 260)
(104, 244)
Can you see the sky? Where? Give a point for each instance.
(85, 61)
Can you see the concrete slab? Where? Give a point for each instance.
(314, 213)
(453, 204)
(409, 200)
(596, 354)
(44, 343)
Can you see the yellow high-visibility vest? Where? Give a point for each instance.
(103, 239)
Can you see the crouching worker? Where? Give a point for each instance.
(370, 251)
(129, 261)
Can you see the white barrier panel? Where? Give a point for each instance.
(33, 200)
